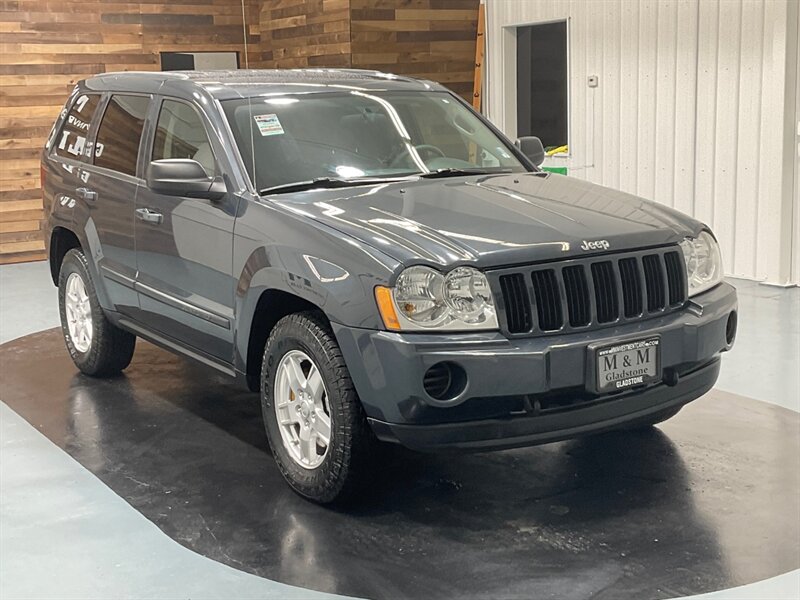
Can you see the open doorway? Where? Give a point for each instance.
(543, 83)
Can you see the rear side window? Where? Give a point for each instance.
(117, 143)
(180, 134)
(75, 131)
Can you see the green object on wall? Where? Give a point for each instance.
(559, 170)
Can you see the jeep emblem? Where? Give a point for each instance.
(595, 245)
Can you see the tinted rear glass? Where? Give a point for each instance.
(117, 144)
(71, 142)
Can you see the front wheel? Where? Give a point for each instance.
(96, 345)
(317, 429)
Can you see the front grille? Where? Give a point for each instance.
(583, 293)
(548, 303)
(518, 312)
(577, 289)
(631, 286)
(675, 277)
(654, 282)
(605, 291)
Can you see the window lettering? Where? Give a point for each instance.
(72, 141)
(76, 148)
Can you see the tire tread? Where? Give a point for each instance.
(355, 450)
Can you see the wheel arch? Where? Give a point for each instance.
(271, 306)
(62, 240)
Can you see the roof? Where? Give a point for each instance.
(253, 82)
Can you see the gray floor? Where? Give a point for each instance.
(64, 534)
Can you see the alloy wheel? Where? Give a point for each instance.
(302, 409)
(78, 313)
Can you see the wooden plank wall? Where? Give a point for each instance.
(48, 45)
(431, 39)
(305, 33)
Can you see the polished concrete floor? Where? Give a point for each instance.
(139, 471)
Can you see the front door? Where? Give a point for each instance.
(184, 245)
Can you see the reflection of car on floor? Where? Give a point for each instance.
(377, 259)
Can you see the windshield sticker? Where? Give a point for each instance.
(269, 124)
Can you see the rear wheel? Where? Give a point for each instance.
(317, 429)
(97, 347)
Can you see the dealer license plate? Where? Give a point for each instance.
(628, 364)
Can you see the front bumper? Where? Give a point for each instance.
(529, 390)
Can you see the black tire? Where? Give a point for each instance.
(111, 348)
(348, 463)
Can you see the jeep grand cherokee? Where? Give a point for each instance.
(377, 260)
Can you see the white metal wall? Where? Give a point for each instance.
(692, 109)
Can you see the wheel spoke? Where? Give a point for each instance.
(314, 384)
(322, 426)
(295, 374)
(308, 447)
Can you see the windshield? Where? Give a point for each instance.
(289, 139)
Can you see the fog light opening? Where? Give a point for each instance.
(730, 328)
(444, 381)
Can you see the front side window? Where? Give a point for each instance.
(71, 142)
(344, 135)
(117, 143)
(180, 134)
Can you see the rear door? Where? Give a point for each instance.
(109, 183)
(184, 245)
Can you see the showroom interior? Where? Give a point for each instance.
(162, 482)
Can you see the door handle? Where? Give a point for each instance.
(149, 216)
(86, 194)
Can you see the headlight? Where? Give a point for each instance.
(703, 262)
(424, 298)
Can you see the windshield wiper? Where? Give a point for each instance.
(320, 183)
(453, 172)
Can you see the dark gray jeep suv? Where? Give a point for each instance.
(377, 259)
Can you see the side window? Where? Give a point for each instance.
(71, 142)
(117, 143)
(180, 134)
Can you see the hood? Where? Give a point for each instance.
(493, 220)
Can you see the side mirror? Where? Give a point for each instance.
(183, 177)
(532, 148)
